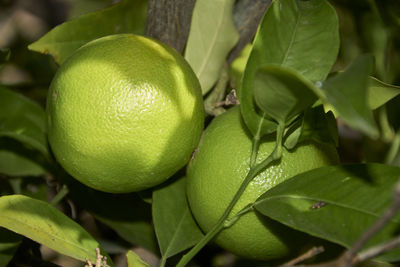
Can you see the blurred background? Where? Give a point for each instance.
(366, 26)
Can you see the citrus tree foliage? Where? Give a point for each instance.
(292, 83)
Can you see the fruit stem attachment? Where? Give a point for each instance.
(223, 220)
(60, 195)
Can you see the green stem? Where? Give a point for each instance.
(217, 94)
(275, 155)
(163, 261)
(393, 150)
(60, 195)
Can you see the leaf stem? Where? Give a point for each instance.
(275, 155)
(60, 195)
(217, 94)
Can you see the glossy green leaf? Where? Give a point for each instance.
(43, 223)
(316, 125)
(17, 160)
(129, 16)
(212, 35)
(302, 35)
(23, 120)
(127, 214)
(134, 260)
(347, 92)
(282, 93)
(379, 93)
(337, 203)
(175, 227)
(9, 243)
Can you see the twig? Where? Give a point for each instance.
(309, 254)
(169, 21)
(379, 249)
(217, 94)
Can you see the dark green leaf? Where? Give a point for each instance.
(175, 227)
(134, 260)
(17, 160)
(125, 17)
(316, 125)
(282, 93)
(43, 223)
(126, 214)
(23, 120)
(379, 93)
(347, 94)
(9, 243)
(302, 35)
(337, 203)
(212, 35)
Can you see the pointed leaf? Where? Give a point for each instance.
(337, 203)
(316, 125)
(282, 93)
(379, 93)
(9, 243)
(23, 120)
(302, 35)
(134, 260)
(212, 35)
(347, 94)
(125, 17)
(46, 225)
(175, 227)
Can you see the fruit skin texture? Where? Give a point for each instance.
(219, 167)
(125, 112)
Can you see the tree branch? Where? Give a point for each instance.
(169, 21)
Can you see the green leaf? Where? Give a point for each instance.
(126, 214)
(379, 93)
(134, 260)
(129, 16)
(316, 125)
(175, 227)
(212, 35)
(23, 120)
(302, 35)
(337, 203)
(43, 223)
(347, 94)
(9, 243)
(17, 160)
(282, 93)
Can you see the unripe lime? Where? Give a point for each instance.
(124, 113)
(217, 171)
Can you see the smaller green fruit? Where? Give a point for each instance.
(217, 171)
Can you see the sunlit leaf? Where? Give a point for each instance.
(212, 35)
(175, 227)
(347, 92)
(134, 260)
(302, 35)
(129, 16)
(337, 203)
(43, 223)
(379, 93)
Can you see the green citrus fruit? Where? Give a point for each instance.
(217, 171)
(124, 113)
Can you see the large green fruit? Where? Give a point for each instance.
(124, 113)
